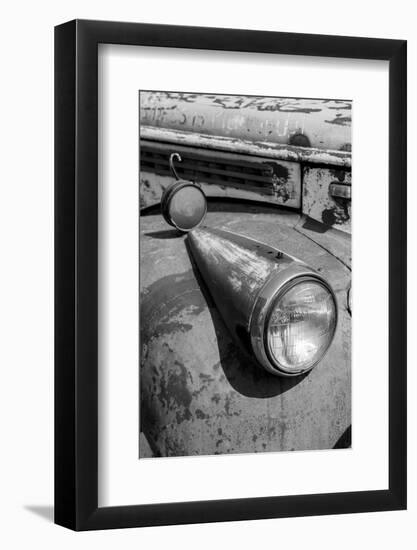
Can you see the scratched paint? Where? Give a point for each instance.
(219, 250)
(324, 123)
(199, 393)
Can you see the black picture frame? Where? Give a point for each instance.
(76, 272)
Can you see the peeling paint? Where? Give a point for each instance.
(318, 201)
(248, 116)
(263, 147)
(247, 263)
(341, 120)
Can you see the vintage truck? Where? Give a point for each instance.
(215, 372)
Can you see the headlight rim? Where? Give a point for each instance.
(276, 286)
(286, 288)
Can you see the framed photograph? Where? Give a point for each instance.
(230, 324)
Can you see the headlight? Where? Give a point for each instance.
(183, 203)
(278, 309)
(300, 325)
(293, 321)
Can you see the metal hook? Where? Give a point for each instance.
(171, 163)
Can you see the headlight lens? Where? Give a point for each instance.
(301, 325)
(187, 207)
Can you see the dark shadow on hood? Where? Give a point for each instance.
(241, 370)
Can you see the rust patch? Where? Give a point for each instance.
(280, 178)
(160, 109)
(168, 328)
(205, 381)
(227, 407)
(216, 398)
(345, 106)
(167, 300)
(263, 104)
(338, 215)
(346, 147)
(229, 103)
(184, 415)
(299, 140)
(341, 121)
(188, 98)
(170, 393)
(174, 392)
(278, 107)
(340, 175)
(206, 377)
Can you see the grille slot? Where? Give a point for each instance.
(253, 175)
(222, 173)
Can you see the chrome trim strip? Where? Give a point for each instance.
(267, 149)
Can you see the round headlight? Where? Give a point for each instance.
(183, 202)
(300, 325)
(183, 205)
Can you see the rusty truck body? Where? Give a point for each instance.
(276, 171)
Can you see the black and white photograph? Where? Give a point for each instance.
(245, 274)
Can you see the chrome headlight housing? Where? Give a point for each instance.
(279, 310)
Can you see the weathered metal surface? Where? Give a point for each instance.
(219, 174)
(199, 393)
(335, 242)
(268, 149)
(234, 269)
(318, 123)
(324, 199)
